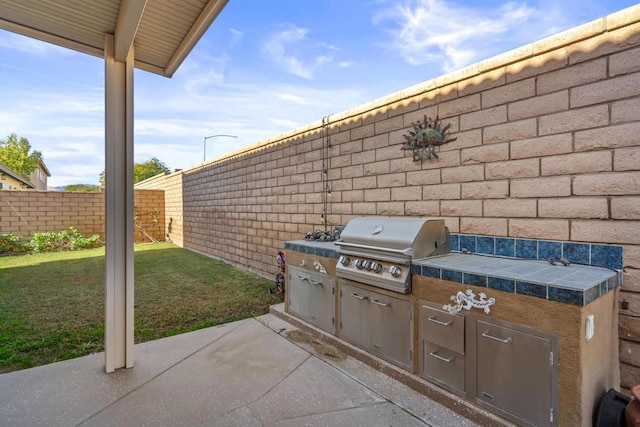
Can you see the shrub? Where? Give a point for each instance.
(63, 241)
(11, 243)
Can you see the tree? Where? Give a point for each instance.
(16, 154)
(148, 169)
(142, 171)
(84, 188)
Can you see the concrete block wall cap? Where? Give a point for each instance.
(623, 18)
(506, 58)
(570, 36)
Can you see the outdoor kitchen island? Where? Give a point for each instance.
(533, 342)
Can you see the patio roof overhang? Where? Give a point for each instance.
(152, 35)
(163, 32)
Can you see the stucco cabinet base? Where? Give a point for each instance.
(528, 360)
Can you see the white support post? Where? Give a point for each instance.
(118, 331)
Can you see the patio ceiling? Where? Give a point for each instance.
(163, 32)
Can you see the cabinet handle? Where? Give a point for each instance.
(440, 322)
(358, 296)
(313, 282)
(376, 302)
(304, 279)
(486, 334)
(444, 359)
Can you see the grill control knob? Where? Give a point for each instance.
(366, 265)
(395, 271)
(344, 260)
(376, 267)
(359, 264)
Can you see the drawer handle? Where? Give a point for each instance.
(304, 279)
(381, 304)
(486, 334)
(440, 322)
(313, 282)
(444, 359)
(358, 296)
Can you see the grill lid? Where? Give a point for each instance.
(401, 236)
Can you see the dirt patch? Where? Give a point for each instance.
(318, 346)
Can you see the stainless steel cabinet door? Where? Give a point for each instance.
(321, 301)
(514, 373)
(391, 328)
(298, 290)
(355, 315)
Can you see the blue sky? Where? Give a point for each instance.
(263, 68)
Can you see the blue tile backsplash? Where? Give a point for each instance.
(609, 256)
(548, 249)
(505, 247)
(486, 245)
(576, 252)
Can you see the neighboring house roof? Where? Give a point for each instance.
(44, 169)
(4, 170)
(163, 32)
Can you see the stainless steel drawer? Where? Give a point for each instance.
(443, 365)
(442, 328)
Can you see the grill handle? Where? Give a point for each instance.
(405, 252)
(507, 340)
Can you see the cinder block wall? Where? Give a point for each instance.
(26, 212)
(548, 147)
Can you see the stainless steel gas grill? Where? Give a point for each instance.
(378, 250)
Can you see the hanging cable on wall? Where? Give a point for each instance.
(326, 143)
(325, 234)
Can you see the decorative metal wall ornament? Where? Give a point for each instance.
(319, 266)
(425, 137)
(467, 301)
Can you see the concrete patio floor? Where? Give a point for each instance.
(253, 372)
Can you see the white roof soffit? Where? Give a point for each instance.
(163, 32)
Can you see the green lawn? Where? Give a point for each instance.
(52, 304)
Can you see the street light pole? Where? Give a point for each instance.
(204, 143)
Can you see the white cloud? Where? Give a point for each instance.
(236, 36)
(29, 45)
(294, 98)
(296, 53)
(290, 124)
(435, 31)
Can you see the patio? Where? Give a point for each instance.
(242, 373)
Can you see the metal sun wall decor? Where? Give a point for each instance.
(425, 137)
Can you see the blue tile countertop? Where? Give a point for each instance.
(573, 284)
(315, 247)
